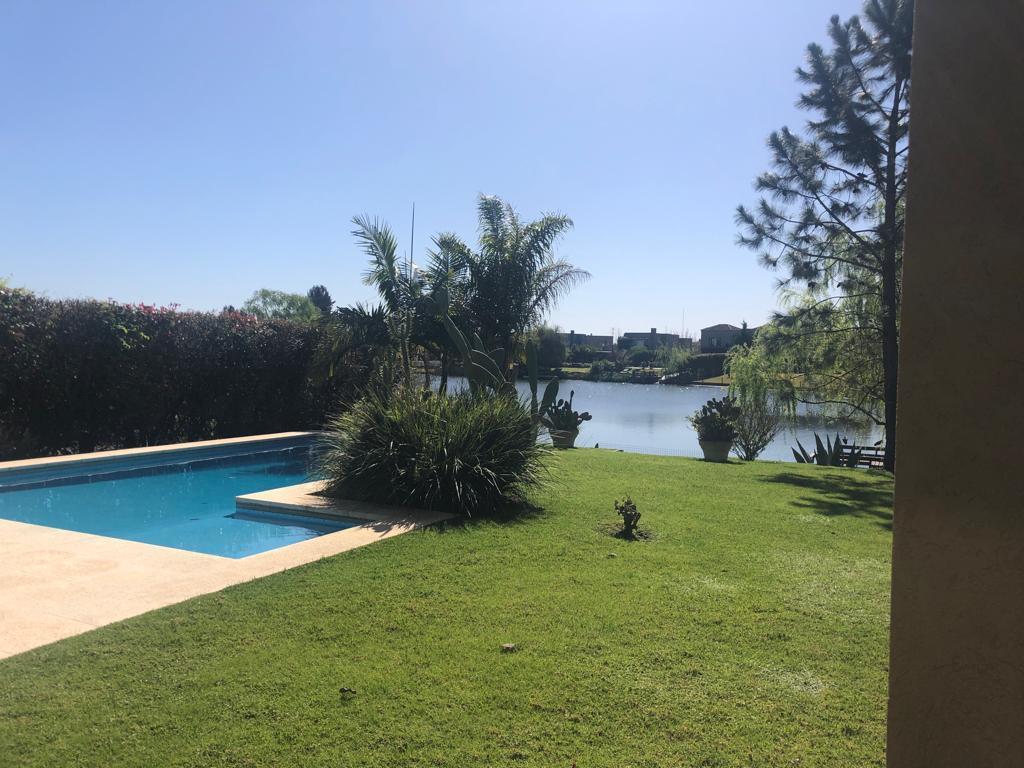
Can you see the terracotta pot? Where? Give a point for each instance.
(563, 438)
(716, 450)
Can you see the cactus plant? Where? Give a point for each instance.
(563, 422)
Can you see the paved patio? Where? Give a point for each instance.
(56, 583)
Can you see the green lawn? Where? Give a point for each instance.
(725, 380)
(751, 630)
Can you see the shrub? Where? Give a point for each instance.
(716, 420)
(583, 355)
(82, 375)
(757, 424)
(464, 453)
(641, 356)
(268, 304)
(704, 366)
(630, 518)
(600, 369)
(673, 359)
(551, 350)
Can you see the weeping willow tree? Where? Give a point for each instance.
(830, 217)
(823, 353)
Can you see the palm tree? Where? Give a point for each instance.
(397, 285)
(514, 279)
(446, 281)
(499, 292)
(356, 348)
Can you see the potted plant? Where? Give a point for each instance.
(715, 423)
(563, 422)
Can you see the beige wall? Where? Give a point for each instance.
(957, 668)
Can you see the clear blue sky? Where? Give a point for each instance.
(192, 152)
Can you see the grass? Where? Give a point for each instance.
(750, 630)
(724, 380)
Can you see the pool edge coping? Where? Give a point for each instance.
(148, 450)
(307, 499)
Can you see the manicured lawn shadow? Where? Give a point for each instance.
(512, 514)
(841, 492)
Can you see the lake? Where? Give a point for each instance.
(651, 418)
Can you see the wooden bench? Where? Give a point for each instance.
(871, 456)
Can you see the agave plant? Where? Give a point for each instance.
(828, 454)
(484, 370)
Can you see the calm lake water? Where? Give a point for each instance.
(651, 418)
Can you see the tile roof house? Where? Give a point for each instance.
(573, 339)
(722, 337)
(652, 339)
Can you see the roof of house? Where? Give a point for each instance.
(721, 327)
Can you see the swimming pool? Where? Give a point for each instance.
(183, 498)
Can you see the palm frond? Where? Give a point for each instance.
(493, 225)
(381, 246)
(540, 236)
(449, 259)
(551, 282)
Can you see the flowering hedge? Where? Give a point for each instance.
(86, 375)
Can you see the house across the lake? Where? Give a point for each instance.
(722, 337)
(652, 339)
(600, 343)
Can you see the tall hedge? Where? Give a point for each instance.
(87, 375)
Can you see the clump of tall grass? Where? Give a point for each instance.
(465, 453)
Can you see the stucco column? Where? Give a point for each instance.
(957, 668)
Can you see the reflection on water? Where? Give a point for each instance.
(651, 418)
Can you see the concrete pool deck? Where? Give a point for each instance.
(55, 583)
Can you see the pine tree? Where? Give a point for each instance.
(831, 212)
(321, 298)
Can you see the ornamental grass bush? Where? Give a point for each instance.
(470, 454)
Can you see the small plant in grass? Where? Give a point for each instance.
(465, 453)
(630, 518)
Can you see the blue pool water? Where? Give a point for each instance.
(180, 503)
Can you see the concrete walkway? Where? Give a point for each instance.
(56, 583)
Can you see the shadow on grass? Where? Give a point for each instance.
(615, 531)
(841, 492)
(509, 514)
